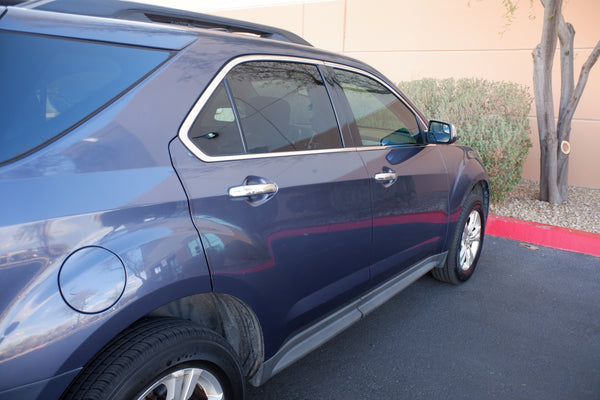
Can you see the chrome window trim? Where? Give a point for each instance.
(392, 146)
(208, 158)
(375, 78)
(212, 86)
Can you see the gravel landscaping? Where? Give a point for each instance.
(581, 211)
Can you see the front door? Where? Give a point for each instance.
(408, 180)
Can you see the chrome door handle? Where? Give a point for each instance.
(251, 190)
(386, 176)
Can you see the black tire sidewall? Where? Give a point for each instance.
(151, 349)
(202, 354)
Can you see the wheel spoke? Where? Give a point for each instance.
(184, 383)
(474, 226)
(173, 384)
(469, 257)
(471, 225)
(211, 386)
(189, 383)
(474, 233)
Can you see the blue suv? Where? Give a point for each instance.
(191, 203)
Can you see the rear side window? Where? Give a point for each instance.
(215, 130)
(50, 84)
(283, 106)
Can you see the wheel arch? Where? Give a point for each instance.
(483, 187)
(225, 315)
(229, 317)
(469, 176)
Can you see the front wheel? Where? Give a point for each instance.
(160, 359)
(465, 244)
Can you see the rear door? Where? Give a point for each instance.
(408, 179)
(282, 208)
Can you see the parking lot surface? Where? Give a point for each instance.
(526, 326)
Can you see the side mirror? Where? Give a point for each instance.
(441, 132)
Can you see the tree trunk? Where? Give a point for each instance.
(566, 35)
(554, 143)
(543, 59)
(566, 116)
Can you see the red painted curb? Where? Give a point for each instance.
(544, 235)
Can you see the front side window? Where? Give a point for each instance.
(50, 84)
(381, 118)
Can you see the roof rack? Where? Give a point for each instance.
(149, 13)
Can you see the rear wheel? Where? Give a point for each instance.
(160, 359)
(466, 242)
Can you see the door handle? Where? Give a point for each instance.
(255, 190)
(386, 176)
(237, 192)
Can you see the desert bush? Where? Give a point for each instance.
(490, 117)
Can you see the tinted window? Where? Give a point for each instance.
(283, 107)
(215, 130)
(382, 119)
(50, 84)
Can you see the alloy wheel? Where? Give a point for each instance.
(470, 240)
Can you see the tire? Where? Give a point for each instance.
(158, 355)
(466, 242)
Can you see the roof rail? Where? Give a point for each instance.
(149, 13)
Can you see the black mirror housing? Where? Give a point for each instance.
(441, 132)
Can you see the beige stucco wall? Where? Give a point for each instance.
(407, 39)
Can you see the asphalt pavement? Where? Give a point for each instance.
(526, 326)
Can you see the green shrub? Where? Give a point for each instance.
(490, 117)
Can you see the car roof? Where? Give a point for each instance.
(144, 25)
(125, 10)
(119, 22)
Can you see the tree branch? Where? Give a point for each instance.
(552, 14)
(566, 35)
(583, 78)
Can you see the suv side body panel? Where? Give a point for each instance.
(55, 202)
